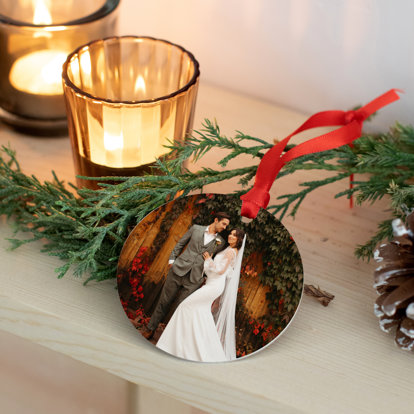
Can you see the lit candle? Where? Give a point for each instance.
(43, 77)
(35, 38)
(126, 98)
(39, 72)
(125, 137)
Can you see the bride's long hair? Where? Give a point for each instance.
(240, 236)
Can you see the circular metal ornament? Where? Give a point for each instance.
(176, 295)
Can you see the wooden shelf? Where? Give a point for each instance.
(332, 359)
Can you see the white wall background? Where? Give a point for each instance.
(309, 55)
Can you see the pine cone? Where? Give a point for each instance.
(394, 282)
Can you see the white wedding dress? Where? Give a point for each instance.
(191, 332)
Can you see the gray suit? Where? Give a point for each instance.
(186, 274)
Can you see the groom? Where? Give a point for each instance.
(186, 268)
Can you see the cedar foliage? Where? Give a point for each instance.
(87, 228)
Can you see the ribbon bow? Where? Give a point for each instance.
(271, 163)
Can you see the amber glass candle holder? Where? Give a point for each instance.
(36, 37)
(126, 97)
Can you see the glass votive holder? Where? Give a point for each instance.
(126, 97)
(36, 37)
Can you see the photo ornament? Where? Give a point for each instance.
(203, 285)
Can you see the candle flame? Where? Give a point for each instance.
(41, 13)
(140, 84)
(113, 142)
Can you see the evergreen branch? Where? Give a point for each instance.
(402, 198)
(296, 199)
(365, 251)
(210, 137)
(87, 228)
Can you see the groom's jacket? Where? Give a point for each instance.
(192, 257)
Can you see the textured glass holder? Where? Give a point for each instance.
(126, 97)
(36, 37)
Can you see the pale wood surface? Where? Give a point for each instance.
(332, 359)
(36, 380)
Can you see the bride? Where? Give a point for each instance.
(192, 332)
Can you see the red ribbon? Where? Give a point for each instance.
(271, 163)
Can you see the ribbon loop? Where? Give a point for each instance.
(271, 163)
(358, 116)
